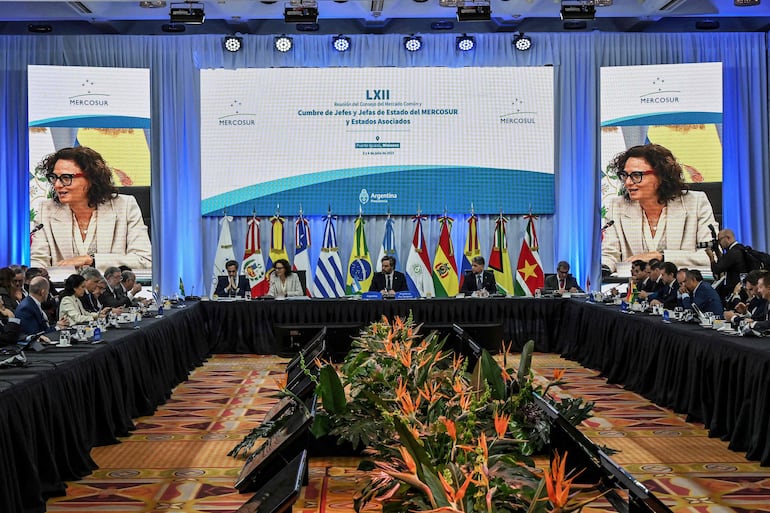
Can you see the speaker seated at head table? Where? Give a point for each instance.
(232, 284)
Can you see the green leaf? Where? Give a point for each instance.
(493, 375)
(331, 391)
(321, 425)
(525, 364)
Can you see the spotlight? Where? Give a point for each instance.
(522, 42)
(283, 43)
(412, 43)
(301, 11)
(232, 43)
(341, 43)
(478, 11)
(187, 12)
(577, 10)
(39, 28)
(707, 24)
(465, 43)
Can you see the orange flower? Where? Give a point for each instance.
(501, 424)
(506, 376)
(556, 483)
(558, 374)
(451, 428)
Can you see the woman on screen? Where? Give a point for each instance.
(656, 216)
(283, 282)
(86, 222)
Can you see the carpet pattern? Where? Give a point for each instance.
(176, 460)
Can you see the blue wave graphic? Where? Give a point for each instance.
(395, 189)
(94, 121)
(667, 118)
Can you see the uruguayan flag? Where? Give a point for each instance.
(329, 280)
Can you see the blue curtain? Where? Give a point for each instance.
(184, 243)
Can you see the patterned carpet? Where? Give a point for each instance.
(177, 459)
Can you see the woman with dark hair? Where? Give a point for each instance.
(70, 307)
(11, 287)
(283, 282)
(656, 216)
(86, 222)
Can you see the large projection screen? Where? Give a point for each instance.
(108, 110)
(377, 140)
(678, 106)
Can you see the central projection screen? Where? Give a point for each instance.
(377, 140)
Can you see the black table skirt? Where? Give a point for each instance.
(71, 400)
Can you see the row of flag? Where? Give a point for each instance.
(440, 278)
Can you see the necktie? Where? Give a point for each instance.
(478, 281)
(389, 285)
(561, 284)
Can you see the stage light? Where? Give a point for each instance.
(232, 43)
(479, 11)
(412, 43)
(190, 13)
(577, 10)
(465, 43)
(301, 11)
(39, 28)
(283, 43)
(522, 42)
(341, 43)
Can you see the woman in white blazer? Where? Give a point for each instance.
(656, 216)
(87, 223)
(70, 307)
(283, 282)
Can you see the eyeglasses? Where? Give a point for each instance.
(278, 268)
(636, 176)
(17, 281)
(65, 179)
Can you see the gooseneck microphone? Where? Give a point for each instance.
(36, 228)
(609, 223)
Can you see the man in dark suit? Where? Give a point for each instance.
(478, 280)
(113, 295)
(730, 263)
(701, 294)
(562, 281)
(30, 312)
(761, 325)
(233, 284)
(389, 281)
(90, 299)
(667, 294)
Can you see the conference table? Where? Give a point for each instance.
(69, 400)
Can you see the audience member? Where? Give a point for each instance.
(30, 313)
(562, 281)
(701, 294)
(90, 299)
(233, 284)
(388, 281)
(477, 281)
(753, 306)
(283, 282)
(728, 264)
(71, 309)
(113, 295)
(667, 294)
(131, 288)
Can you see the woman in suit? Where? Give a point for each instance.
(283, 282)
(70, 307)
(656, 216)
(87, 223)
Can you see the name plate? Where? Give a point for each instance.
(371, 295)
(406, 294)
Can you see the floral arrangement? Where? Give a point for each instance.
(438, 437)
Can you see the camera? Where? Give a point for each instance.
(713, 244)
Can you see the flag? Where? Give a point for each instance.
(388, 247)
(529, 268)
(471, 247)
(499, 261)
(632, 292)
(181, 287)
(328, 280)
(224, 252)
(418, 275)
(253, 266)
(277, 246)
(302, 250)
(445, 279)
(360, 263)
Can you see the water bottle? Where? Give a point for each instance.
(160, 310)
(97, 334)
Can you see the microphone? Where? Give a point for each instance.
(609, 223)
(36, 228)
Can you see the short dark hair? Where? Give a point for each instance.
(563, 264)
(670, 268)
(765, 277)
(231, 263)
(641, 264)
(662, 161)
(694, 274)
(96, 171)
(32, 272)
(753, 276)
(478, 260)
(390, 259)
(285, 263)
(655, 263)
(72, 282)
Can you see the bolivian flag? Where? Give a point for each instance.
(444, 265)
